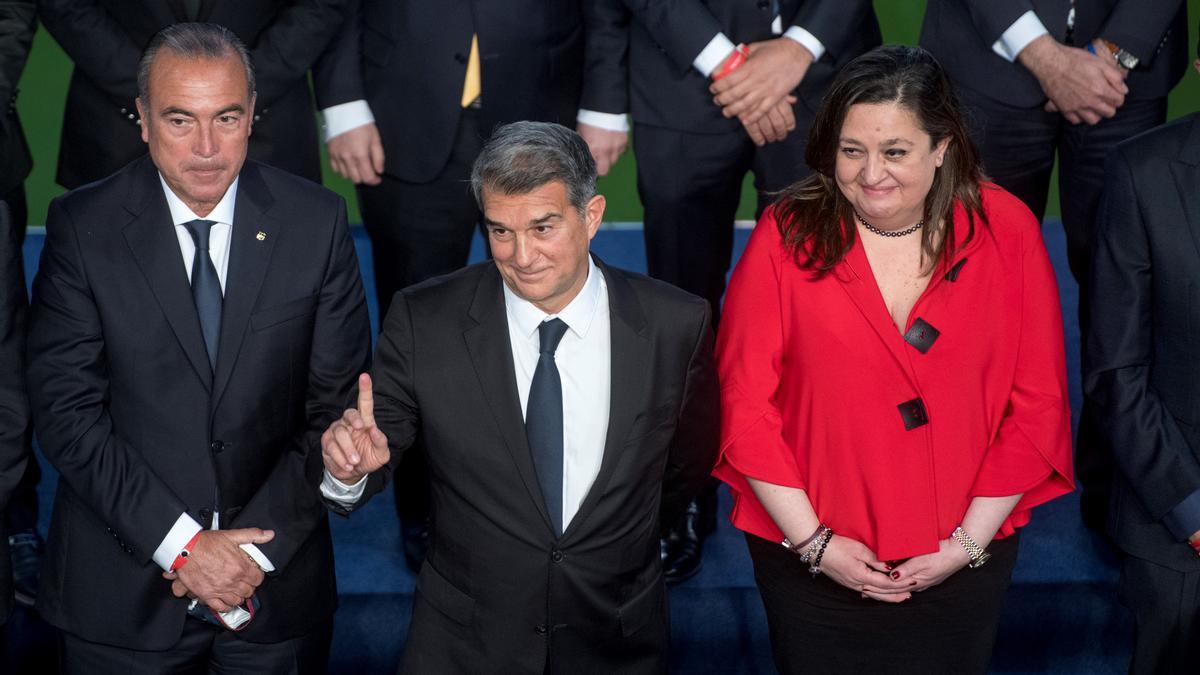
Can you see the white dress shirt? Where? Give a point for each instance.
(1027, 28)
(185, 526)
(583, 358)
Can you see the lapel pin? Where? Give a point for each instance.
(261, 236)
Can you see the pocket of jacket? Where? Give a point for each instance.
(642, 607)
(445, 596)
(292, 309)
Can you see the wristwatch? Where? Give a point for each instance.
(977, 554)
(1124, 59)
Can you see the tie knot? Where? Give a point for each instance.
(199, 230)
(550, 333)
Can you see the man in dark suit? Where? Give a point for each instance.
(594, 413)
(14, 409)
(699, 127)
(1065, 77)
(105, 38)
(410, 91)
(184, 422)
(1142, 373)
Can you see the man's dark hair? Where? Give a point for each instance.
(523, 156)
(193, 41)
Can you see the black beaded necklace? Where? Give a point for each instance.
(889, 233)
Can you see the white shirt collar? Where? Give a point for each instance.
(577, 314)
(180, 213)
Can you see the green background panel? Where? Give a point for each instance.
(44, 88)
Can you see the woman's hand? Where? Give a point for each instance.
(853, 565)
(931, 569)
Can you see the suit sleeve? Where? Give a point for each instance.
(289, 502)
(338, 74)
(1138, 27)
(750, 364)
(291, 43)
(834, 22)
(606, 57)
(100, 47)
(694, 447)
(68, 388)
(992, 18)
(17, 23)
(1031, 452)
(683, 28)
(14, 407)
(1149, 447)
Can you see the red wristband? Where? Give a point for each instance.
(182, 558)
(735, 61)
(1195, 546)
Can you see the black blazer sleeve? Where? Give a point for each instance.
(836, 23)
(693, 450)
(992, 18)
(1148, 444)
(291, 43)
(338, 74)
(97, 43)
(17, 23)
(606, 57)
(69, 393)
(14, 408)
(289, 501)
(1139, 26)
(683, 28)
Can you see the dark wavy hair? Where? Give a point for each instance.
(816, 220)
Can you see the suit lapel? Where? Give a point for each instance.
(1186, 171)
(152, 240)
(249, 258)
(630, 352)
(491, 355)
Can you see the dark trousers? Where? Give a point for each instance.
(1019, 146)
(419, 231)
(1166, 612)
(22, 510)
(819, 626)
(203, 648)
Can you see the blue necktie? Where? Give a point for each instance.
(544, 420)
(206, 288)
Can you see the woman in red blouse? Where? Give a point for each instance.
(894, 398)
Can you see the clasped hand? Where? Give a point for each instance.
(218, 572)
(354, 446)
(759, 92)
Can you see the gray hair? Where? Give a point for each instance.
(194, 41)
(523, 156)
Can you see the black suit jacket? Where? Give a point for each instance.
(960, 33)
(105, 39)
(408, 60)
(140, 429)
(17, 23)
(1141, 352)
(14, 409)
(498, 591)
(640, 53)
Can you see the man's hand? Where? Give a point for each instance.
(218, 572)
(353, 446)
(606, 146)
(773, 70)
(1084, 87)
(925, 571)
(775, 125)
(357, 155)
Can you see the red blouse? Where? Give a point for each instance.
(892, 436)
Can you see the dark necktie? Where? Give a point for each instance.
(544, 420)
(206, 288)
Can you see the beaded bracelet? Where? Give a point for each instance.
(815, 568)
(813, 545)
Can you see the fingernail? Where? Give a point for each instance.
(895, 575)
(887, 566)
(912, 583)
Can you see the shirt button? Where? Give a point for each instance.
(556, 556)
(540, 628)
(217, 446)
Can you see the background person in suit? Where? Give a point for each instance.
(105, 38)
(1024, 71)
(184, 421)
(18, 20)
(410, 91)
(14, 408)
(696, 136)
(596, 399)
(1142, 373)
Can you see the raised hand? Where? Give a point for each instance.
(218, 571)
(354, 446)
(853, 565)
(606, 146)
(357, 154)
(1084, 87)
(773, 70)
(925, 571)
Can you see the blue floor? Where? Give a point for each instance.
(1061, 614)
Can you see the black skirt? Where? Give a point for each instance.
(819, 626)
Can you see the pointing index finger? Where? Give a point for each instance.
(366, 400)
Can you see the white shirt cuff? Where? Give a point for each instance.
(180, 534)
(257, 556)
(601, 120)
(1027, 28)
(810, 41)
(343, 117)
(336, 491)
(718, 49)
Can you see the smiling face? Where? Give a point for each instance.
(886, 164)
(197, 123)
(539, 241)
